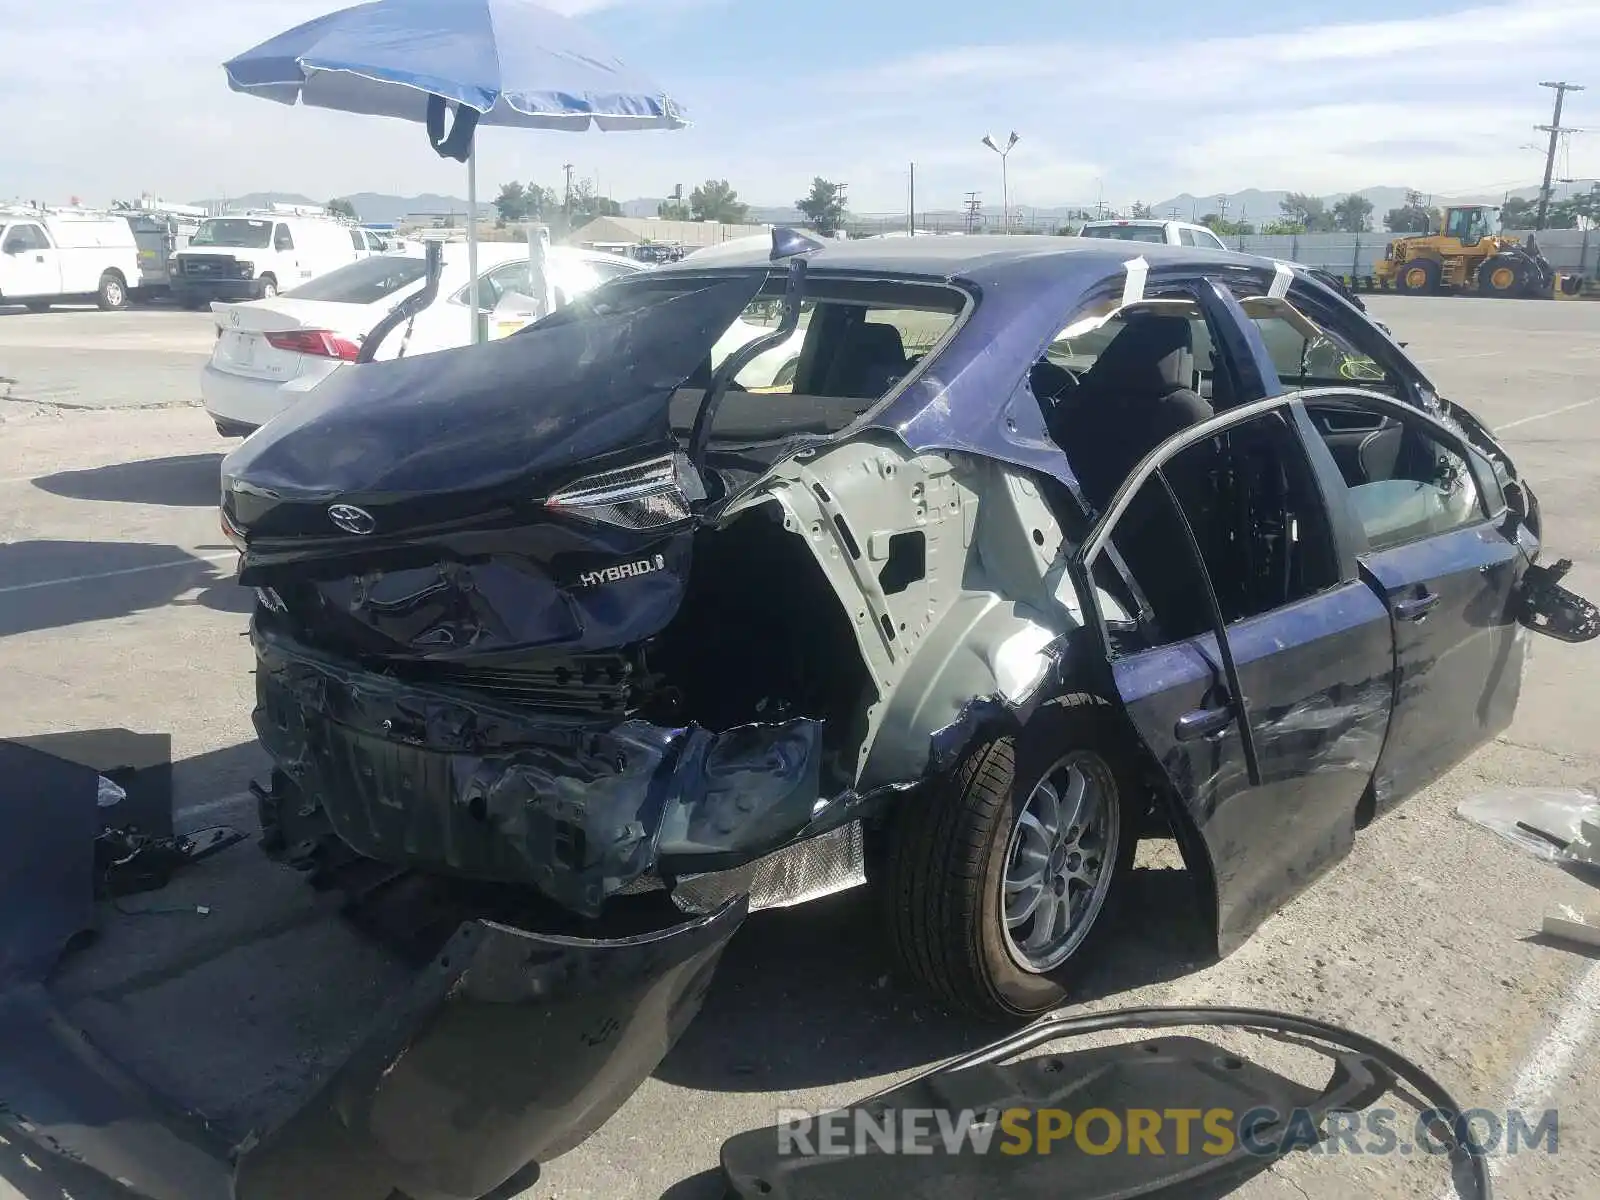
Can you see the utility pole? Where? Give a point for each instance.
(566, 199)
(911, 205)
(1222, 208)
(972, 208)
(1555, 131)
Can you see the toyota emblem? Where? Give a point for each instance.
(351, 519)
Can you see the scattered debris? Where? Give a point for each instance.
(1574, 926)
(1555, 824)
(126, 863)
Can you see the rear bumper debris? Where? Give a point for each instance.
(582, 810)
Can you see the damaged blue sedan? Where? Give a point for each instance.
(1031, 550)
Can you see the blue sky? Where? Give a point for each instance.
(1132, 101)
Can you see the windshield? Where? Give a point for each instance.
(1126, 233)
(365, 282)
(233, 231)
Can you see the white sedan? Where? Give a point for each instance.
(270, 353)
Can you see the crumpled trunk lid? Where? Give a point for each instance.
(399, 510)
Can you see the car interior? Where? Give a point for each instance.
(1144, 374)
(856, 346)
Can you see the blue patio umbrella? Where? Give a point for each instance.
(491, 62)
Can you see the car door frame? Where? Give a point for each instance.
(1247, 883)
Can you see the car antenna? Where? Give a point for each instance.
(740, 358)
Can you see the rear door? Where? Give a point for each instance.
(1428, 511)
(1263, 688)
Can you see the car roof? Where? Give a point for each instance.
(985, 256)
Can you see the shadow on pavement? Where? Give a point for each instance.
(804, 997)
(184, 480)
(53, 584)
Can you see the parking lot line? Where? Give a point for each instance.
(1554, 412)
(1545, 1068)
(161, 566)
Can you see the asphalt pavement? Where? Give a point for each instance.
(117, 610)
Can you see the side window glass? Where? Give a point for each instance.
(282, 239)
(26, 238)
(1186, 236)
(1403, 481)
(1250, 497)
(1306, 354)
(356, 240)
(1212, 241)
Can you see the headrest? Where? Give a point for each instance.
(1149, 348)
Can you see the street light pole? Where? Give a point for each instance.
(1005, 186)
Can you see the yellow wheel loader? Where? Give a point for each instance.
(1468, 253)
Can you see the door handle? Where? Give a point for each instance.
(1415, 609)
(1202, 722)
(38, 258)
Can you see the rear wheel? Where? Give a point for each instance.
(269, 287)
(112, 292)
(1418, 278)
(1002, 877)
(1503, 276)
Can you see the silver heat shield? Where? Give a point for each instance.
(808, 870)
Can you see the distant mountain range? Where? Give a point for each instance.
(1251, 204)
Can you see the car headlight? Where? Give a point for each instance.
(647, 495)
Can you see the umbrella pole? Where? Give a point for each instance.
(472, 237)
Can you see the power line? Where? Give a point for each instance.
(1555, 130)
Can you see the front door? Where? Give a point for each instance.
(1445, 570)
(30, 264)
(1264, 687)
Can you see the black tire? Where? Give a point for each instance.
(946, 862)
(1418, 278)
(1503, 276)
(36, 306)
(112, 293)
(269, 286)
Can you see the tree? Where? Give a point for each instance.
(715, 200)
(1517, 213)
(586, 204)
(1223, 227)
(1412, 218)
(512, 203)
(822, 206)
(1585, 205)
(674, 210)
(343, 208)
(1141, 211)
(1283, 225)
(1352, 214)
(1306, 211)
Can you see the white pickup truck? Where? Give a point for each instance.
(1166, 233)
(52, 256)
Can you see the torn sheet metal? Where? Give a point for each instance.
(577, 809)
(411, 440)
(510, 1049)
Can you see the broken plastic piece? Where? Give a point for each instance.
(1571, 925)
(1539, 820)
(109, 795)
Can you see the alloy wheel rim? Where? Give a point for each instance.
(1059, 862)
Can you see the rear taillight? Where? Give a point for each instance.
(318, 342)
